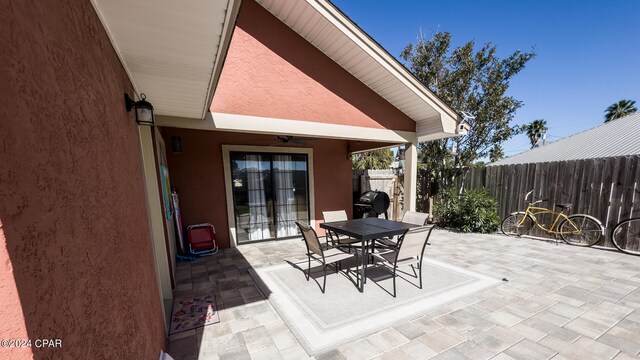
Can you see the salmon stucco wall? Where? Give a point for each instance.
(197, 173)
(76, 261)
(273, 72)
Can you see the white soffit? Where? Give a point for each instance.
(171, 50)
(329, 30)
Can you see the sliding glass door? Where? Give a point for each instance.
(270, 193)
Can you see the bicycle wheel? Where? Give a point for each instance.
(626, 236)
(514, 225)
(581, 230)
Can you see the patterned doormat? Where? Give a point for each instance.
(193, 313)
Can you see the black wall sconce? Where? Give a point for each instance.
(144, 109)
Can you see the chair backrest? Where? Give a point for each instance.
(413, 242)
(417, 218)
(337, 215)
(310, 239)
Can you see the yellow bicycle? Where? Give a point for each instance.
(577, 229)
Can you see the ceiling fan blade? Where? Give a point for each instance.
(286, 139)
(302, 140)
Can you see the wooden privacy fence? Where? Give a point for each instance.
(606, 188)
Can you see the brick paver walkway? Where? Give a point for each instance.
(560, 302)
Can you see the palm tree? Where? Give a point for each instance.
(535, 130)
(620, 109)
(377, 159)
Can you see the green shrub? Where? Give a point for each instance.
(474, 211)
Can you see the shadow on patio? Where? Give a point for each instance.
(244, 312)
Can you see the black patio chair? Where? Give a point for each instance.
(323, 253)
(409, 250)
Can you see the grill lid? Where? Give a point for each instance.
(377, 200)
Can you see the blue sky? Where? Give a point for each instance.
(588, 52)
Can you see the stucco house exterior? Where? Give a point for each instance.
(267, 89)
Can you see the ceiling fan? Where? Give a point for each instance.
(289, 139)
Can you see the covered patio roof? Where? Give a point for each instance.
(175, 53)
(333, 33)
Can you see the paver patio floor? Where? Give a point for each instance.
(559, 302)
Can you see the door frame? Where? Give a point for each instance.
(226, 164)
(155, 213)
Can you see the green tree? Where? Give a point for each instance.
(377, 159)
(535, 130)
(620, 109)
(496, 153)
(470, 80)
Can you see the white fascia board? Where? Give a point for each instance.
(225, 39)
(265, 125)
(436, 136)
(348, 28)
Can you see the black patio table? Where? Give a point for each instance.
(367, 230)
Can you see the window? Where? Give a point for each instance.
(270, 193)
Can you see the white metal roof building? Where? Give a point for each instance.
(619, 137)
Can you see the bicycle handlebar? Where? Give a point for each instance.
(526, 197)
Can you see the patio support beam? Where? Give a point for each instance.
(265, 125)
(410, 176)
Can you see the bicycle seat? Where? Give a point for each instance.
(564, 206)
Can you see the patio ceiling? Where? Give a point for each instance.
(172, 50)
(333, 33)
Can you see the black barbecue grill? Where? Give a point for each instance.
(372, 204)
